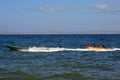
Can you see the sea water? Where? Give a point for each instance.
(60, 57)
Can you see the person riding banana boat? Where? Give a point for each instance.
(102, 46)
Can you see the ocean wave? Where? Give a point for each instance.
(57, 49)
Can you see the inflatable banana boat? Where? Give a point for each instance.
(96, 48)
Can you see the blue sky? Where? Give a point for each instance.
(59, 15)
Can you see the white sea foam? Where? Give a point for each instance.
(57, 49)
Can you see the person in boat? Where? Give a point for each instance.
(102, 46)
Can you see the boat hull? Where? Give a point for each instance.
(14, 48)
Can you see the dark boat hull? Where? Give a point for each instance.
(14, 48)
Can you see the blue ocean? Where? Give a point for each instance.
(60, 57)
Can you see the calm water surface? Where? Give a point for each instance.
(57, 64)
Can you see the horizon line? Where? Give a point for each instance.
(61, 32)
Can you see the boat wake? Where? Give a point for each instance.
(57, 49)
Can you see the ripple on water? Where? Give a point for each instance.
(16, 75)
(22, 78)
(68, 76)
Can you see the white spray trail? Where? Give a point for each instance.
(57, 49)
